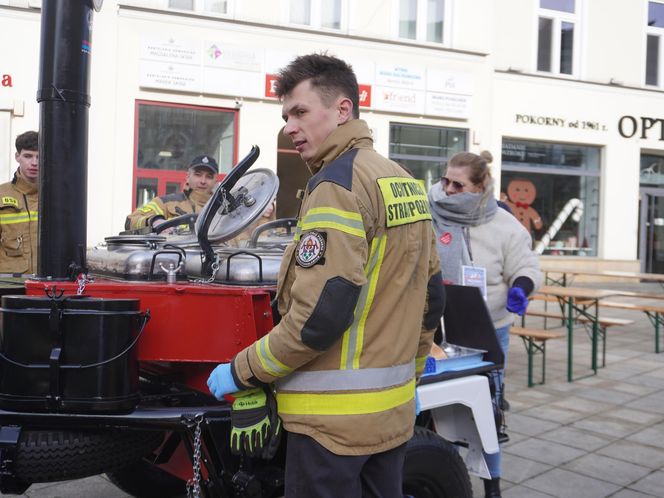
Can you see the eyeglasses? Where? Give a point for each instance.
(446, 182)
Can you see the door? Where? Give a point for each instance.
(651, 230)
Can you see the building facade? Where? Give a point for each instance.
(566, 94)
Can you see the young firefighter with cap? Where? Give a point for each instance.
(201, 177)
(19, 206)
(360, 293)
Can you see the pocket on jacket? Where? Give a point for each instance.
(13, 246)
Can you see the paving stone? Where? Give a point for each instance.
(95, 486)
(633, 452)
(576, 438)
(565, 484)
(554, 414)
(608, 426)
(650, 381)
(633, 387)
(583, 405)
(607, 395)
(607, 469)
(652, 436)
(529, 425)
(621, 373)
(638, 416)
(523, 492)
(516, 469)
(515, 437)
(652, 484)
(545, 452)
(653, 402)
(628, 493)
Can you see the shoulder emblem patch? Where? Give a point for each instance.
(9, 201)
(311, 249)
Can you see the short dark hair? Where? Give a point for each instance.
(331, 76)
(27, 141)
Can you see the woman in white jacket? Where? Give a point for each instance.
(481, 244)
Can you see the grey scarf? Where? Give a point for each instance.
(452, 215)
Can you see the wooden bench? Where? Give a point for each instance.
(603, 322)
(534, 341)
(654, 312)
(642, 295)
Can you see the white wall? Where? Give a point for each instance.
(19, 39)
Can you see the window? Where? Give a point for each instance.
(328, 14)
(654, 36)
(553, 189)
(558, 37)
(652, 170)
(425, 149)
(424, 20)
(201, 6)
(169, 136)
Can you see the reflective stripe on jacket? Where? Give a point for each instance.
(353, 297)
(19, 218)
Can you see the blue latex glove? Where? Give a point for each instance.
(517, 301)
(418, 408)
(221, 381)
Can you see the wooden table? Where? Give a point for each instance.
(572, 272)
(575, 302)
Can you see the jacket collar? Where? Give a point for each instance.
(353, 134)
(196, 197)
(23, 185)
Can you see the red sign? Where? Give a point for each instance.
(365, 95)
(270, 85)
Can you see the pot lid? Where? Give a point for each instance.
(135, 240)
(248, 198)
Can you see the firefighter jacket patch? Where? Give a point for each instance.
(311, 249)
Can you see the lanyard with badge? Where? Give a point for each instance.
(471, 275)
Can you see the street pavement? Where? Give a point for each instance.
(601, 436)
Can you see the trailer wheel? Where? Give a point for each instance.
(434, 469)
(144, 480)
(47, 456)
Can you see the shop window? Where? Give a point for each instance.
(651, 173)
(328, 14)
(654, 36)
(558, 37)
(424, 150)
(424, 20)
(201, 6)
(553, 189)
(169, 136)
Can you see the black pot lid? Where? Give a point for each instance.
(252, 193)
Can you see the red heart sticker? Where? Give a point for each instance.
(445, 238)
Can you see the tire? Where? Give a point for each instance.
(47, 456)
(434, 469)
(144, 480)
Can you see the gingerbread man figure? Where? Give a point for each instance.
(520, 195)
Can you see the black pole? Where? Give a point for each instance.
(63, 96)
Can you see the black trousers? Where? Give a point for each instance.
(315, 472)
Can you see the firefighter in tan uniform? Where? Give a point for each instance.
(360, 293)
(19, 207)
(201, 177)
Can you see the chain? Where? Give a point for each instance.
(194, 484)
(215, 269)
(82, 281)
